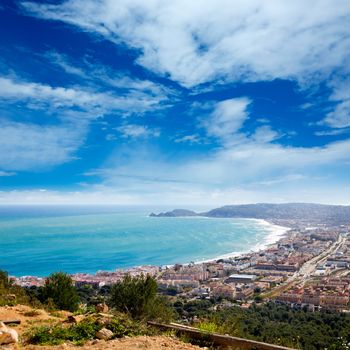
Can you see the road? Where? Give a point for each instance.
(308, 268)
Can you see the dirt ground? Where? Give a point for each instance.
(30, 317)
(134, 343)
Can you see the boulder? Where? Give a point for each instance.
(101, 308)
(104, 334)
(7, 335)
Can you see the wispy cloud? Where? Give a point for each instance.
(224, 42)
(197, 42)
(195, 138)
(33, 147)
(333, 132)
(340, 116)
(227, 118)
(135, 131)
(97, 74)
(38, 95)
(200, 45)
(245, 163)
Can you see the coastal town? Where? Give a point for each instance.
(308, 267)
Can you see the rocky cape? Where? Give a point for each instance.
(301, 212)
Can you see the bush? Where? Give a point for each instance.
(58, 334)
(5, 282)
(122, 326)
(134, 295)
(137, 296)
(281, 325)
(210, 327)
(11, 294)
(59, 289)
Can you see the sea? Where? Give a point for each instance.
(39, 240)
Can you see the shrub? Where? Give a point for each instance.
(11, 294)
(210, 327)
(137, 296)
(59, 288)
(134, 295)
(58, 334)
(121, 326)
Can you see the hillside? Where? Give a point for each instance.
(33, 318)
(176, 213)
(312, 213)
(134, 343)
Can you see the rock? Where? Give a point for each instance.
(7, 335)
(71, 319)
(104, 319)
(104, 334)
(101, 308)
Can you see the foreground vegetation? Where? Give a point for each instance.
(134, 301)
(78, 333)
(279, 324)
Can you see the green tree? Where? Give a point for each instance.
(59, 288)
(137, 296)
(10, 293)
(5, 282)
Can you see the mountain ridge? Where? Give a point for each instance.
(311, 212)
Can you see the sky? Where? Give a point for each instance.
(174, 102)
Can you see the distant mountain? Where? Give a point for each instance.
(305, 212)
(175, 213)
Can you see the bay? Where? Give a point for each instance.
(41, 240)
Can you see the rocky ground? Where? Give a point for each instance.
(30, 317)
(134, 343)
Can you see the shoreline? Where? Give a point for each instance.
(277, 233)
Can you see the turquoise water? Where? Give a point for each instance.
(38, 241)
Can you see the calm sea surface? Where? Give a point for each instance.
(40, 240)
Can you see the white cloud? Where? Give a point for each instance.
(63, 62)
(29, 146)
(201, 41)
(333, 132)
(243, 158)
(227, 118)
(33, 147)
(340, 117)
(133, 130)
(188, 138)
(245, 164)
(186, 197)
(264, 134)
(95, 73)
(96, 103)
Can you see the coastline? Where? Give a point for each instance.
(276, 234)
(273, 235)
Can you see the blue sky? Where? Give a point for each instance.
(174, 102)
